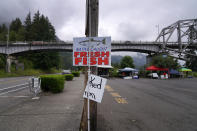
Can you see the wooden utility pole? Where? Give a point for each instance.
(91, 30)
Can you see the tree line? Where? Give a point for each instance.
(37, 29)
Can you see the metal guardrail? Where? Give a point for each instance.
(13, 89)
(34, 42)
(33, 85)
(71, 42)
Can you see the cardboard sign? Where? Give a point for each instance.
(99, 47)
(96, 88)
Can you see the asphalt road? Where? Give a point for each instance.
(149, 105)
(52, 112)
(8, 98)
(7, 82)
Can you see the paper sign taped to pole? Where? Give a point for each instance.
(96, 88)
(99, 47)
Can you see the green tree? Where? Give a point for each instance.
(127, 61)
(66, 60)
(165, 62)
(191, 60)
(40, 29)
(20, 36)
(15, 25)
(116, 65)
(12, 36)
(2, 61)
(28, 26)
(3, 33)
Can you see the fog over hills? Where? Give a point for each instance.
(139, 59)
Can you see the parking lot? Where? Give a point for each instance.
(149, 105)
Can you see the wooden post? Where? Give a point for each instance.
(91, 30)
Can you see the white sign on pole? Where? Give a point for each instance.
(34, 85)
(36, 82)
(100, 51)
(96, 88)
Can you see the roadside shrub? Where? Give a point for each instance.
(52, 83)
(76, 73)
(68, 77)
(113, 72)
(195, 74)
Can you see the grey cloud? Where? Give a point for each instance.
(58, 11)
(129, 31)
(123, 19)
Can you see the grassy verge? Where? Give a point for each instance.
(29, 72)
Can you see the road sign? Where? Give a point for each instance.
(34, 85)
(36, 82)
(97, 48)
(96, 88)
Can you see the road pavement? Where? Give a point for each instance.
(52, 112)
(149, 105)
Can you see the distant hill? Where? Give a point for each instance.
(66, 59)
(139, 60)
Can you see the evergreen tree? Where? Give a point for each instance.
(12, 36)
(28, 25)
(20, 36)
(3, 33)
(15, 25)
(36, 26)
(2, 61)
(38, 29)
(191, 60)
(42, 30)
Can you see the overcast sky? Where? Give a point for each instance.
(120, 19)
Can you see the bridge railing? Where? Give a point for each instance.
(34, 42)
(71, 42)
(133, 42)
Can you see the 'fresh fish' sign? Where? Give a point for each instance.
(97, 48)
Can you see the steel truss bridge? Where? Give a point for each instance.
(177, 38)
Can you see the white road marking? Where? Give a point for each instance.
(13, 86)
(13, 90)
(14, 96)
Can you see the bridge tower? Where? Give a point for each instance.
(182, 33)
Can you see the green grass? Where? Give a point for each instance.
(28, 72)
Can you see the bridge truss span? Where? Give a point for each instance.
(182, 33)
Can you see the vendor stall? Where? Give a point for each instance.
(185, 72)
(164, 72)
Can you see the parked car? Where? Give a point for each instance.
(153, 75)
(66, 72)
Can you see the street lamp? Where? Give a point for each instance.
(8, 35)
(157, 26)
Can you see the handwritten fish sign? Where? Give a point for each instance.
(96, 88)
